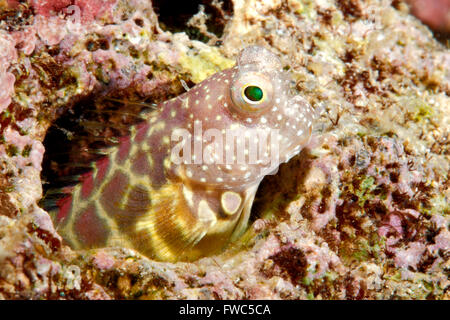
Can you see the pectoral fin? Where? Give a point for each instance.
(185, 223)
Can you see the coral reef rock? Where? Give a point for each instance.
(362, 213)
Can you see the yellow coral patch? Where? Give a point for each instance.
(204, 64)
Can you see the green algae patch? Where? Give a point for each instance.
(369, 248)
(364, 192)
(248, 239)
(204, 64)
(423, 111)
(304, 8)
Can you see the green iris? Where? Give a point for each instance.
(253, 93)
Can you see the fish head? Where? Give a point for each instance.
(244, 121)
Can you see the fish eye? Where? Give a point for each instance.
(253, 94)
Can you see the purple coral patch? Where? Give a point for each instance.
(94, 9)
(90, 9)
(7, 80)
(48, 8)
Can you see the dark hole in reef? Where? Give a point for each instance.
(84, 133)
(276, 191)
(174, 16)
(96, 44)
(139, 22)
(80, 134)
(443, 37)
(15, 17)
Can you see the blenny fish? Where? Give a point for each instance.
(155, 193)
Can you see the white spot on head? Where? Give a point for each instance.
(230, 202)
(205, 214)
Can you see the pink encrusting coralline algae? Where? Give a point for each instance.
(8, 55)
(362, 212)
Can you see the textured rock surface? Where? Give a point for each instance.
(362, 214)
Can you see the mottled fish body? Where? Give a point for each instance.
(181, 185)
